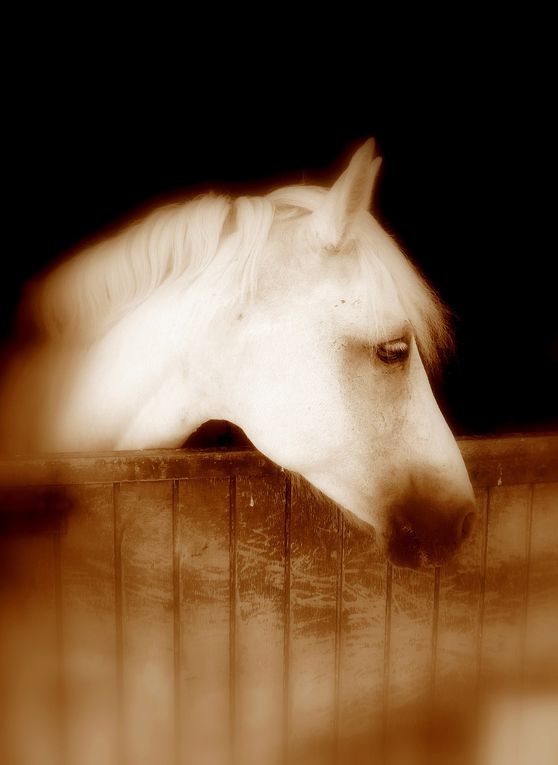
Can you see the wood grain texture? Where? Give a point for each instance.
(411, 636)
(144, 546)
(492, 461)
(312, 687)
(461, 582)
(204, 669)
(361, 682)
(30, 722)
(505, 582)
(260, 582)
(89, 628)
(511, 459)
(173, 595)
(541, 649)
(122, 466)
(453, 720)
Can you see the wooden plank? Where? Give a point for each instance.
(144, 547)
(519, 729)
(456, 660)
(541, 648)
(260, 582)
(146, 465)
(312, 690)
(326, 635)
(505, 583)
(29, 679)
(522, 722)
(361, 683)
(202, 547)
(32, 511)
(491, 462)
(511, 459)
(458, 614)
(409, 659)
(89, 628)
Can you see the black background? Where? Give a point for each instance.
(464, 185)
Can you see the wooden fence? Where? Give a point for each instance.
(165, 607)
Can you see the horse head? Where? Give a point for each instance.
(326, 369)
(293, 315)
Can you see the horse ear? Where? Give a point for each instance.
(350, 193)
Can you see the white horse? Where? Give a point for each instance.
(293, 315)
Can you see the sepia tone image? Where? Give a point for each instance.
(278, 452)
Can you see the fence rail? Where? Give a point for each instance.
(195, 607)
(490, 461)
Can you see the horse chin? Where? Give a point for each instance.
(405, 550)
(410, 557)
(407, 553)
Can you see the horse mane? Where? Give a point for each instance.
(86, 293)
(77, 301)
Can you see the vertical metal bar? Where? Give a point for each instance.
(176, 616)
(287, 618)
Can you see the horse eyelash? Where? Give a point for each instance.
(399, 351)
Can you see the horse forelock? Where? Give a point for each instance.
(87, 293)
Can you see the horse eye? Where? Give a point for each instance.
(393, 351)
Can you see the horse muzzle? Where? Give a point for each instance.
(427, 534)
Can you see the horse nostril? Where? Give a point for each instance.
(428, 538)
(467, 526)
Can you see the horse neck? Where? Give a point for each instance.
(175, 346)
(143, 384)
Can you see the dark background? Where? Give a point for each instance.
(464, 185)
